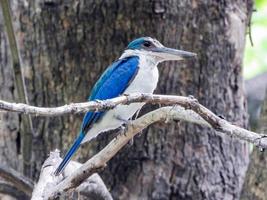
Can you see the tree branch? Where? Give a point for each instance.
(99, 161)
(74, 108)
(12, 191)
(186, 102)
(92, 187)
(20, 182)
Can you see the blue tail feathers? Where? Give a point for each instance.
(69, 154)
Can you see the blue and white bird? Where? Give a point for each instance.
(135, 71)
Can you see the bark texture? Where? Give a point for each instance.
(10, 147)
(66, 45)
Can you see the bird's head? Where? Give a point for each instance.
(152, 48)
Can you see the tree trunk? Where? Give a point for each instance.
(66, 45)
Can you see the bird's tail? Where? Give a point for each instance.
(69, 154)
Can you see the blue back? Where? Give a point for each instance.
(112, 83)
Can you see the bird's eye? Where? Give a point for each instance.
(147, 44)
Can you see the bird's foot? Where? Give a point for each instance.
(125, 121)
(125, 127)
(124, 130)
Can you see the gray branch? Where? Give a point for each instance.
(98, 162)
(9, 189)
(188, 103)
(15, 184)
(74, 108)
(92, 187)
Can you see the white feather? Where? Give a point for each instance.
(145, 81)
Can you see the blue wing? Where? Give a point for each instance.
(112, 83)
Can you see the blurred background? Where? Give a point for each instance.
(255, 74)
(255, 60)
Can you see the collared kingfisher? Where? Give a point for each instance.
(135, 71)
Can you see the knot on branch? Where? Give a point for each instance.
(104, 105)
(191, 103)
(73, 108)
(207, 115)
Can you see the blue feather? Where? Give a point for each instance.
(69, 154)
(112, 83)
(137, 43)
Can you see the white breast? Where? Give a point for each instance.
(145, 81)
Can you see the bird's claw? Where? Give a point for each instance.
(126, 126)
(124, 130)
